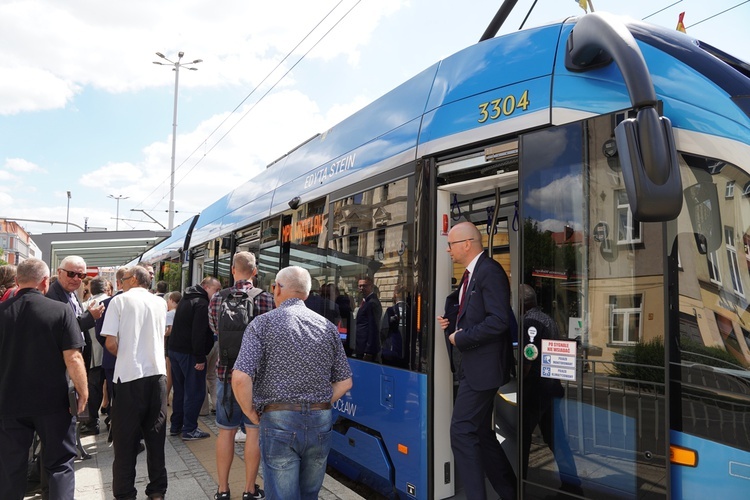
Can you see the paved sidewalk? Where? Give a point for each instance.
(191, 467)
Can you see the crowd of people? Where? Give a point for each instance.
(120, 351)
(269, 365)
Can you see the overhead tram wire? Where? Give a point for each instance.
(269, 90)
(717, 14)
(268, 75)
(321, 39)
(661, 10)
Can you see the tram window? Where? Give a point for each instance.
(224, 270)
(270, 230)
(369, 259)
(171, 272)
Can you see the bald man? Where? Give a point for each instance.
(478, 324)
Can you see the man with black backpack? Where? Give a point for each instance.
(230, 311)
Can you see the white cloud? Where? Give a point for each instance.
(561, 197)
(21, 165)
(5, 178)
(29, 89)
(51, 49)
(6, 201)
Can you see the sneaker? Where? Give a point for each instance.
(222, 496)
(173, 431)
(91, 429)
(240, 437)
(194, 435)
(258, 495)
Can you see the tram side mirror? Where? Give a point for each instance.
(701, 243)
(702, 201)
(650, 169)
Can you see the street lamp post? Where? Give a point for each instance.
(177, 65)
(118, 198)
(67, 214)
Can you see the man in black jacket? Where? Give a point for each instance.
(189, 343)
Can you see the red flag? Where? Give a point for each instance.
(680, 24)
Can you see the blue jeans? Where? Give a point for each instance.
(189, 387)
(294, 446)
(228, 412)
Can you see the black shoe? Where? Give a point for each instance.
(89, 429)
(257, 495)
(174, 431)
(222, 496)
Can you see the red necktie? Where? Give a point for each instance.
(465, 284)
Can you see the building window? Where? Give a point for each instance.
(713, 267)
(734, 267)
(628, 229)
(625, 313)
(729, 190)
(354, 241)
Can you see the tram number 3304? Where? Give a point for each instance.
(503, 106)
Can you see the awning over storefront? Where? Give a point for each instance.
(98, 248)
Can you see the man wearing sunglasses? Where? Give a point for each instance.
(70, 275)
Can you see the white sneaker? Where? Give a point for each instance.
(240, 437)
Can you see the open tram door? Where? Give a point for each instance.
(480, 186)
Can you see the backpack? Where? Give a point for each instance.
(235, 314)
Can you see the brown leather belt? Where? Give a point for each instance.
(296, 406)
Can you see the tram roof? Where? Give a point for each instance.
(427, 114)
(98, 248)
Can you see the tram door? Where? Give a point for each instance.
(593, 406)
(489, 202)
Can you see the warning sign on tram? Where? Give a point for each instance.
(559, 359)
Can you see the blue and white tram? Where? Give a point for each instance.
(607, 163)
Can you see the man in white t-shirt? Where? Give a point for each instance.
(134, 330)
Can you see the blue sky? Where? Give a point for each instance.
(83, 109)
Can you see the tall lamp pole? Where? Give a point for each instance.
(67, 214)
(177, 65)
(118, 198)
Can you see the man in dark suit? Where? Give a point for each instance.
(478, 322)
(70, 275)
(108, 359)
(368, 321)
